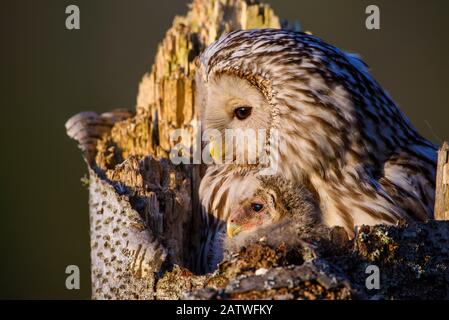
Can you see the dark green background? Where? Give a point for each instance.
(49, 73)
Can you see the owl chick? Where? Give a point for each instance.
(276, 211)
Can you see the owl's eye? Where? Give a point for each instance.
(256, 207)
(242, 112)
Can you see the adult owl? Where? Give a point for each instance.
(340, 132)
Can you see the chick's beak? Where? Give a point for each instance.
(233, 230)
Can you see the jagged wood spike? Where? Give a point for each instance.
(442, 184)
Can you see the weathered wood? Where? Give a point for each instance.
(442, 184)
(412, 259)
(88, 127)
(122, 247)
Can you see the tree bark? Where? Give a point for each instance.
(442, 184)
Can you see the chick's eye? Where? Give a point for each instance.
(242, 112)
(257, 207)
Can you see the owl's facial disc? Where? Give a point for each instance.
(234, 106)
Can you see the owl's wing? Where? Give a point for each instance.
(410, 180)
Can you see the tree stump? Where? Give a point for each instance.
(144, 211)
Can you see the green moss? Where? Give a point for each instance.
(85, 181)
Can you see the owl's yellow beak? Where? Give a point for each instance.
(216, 150)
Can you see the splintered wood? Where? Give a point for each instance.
(442, 186)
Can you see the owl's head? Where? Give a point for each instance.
(274, 199)
(232, 102)
(237, 118)
(233, 99)
(263, 208)
(327, 109)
